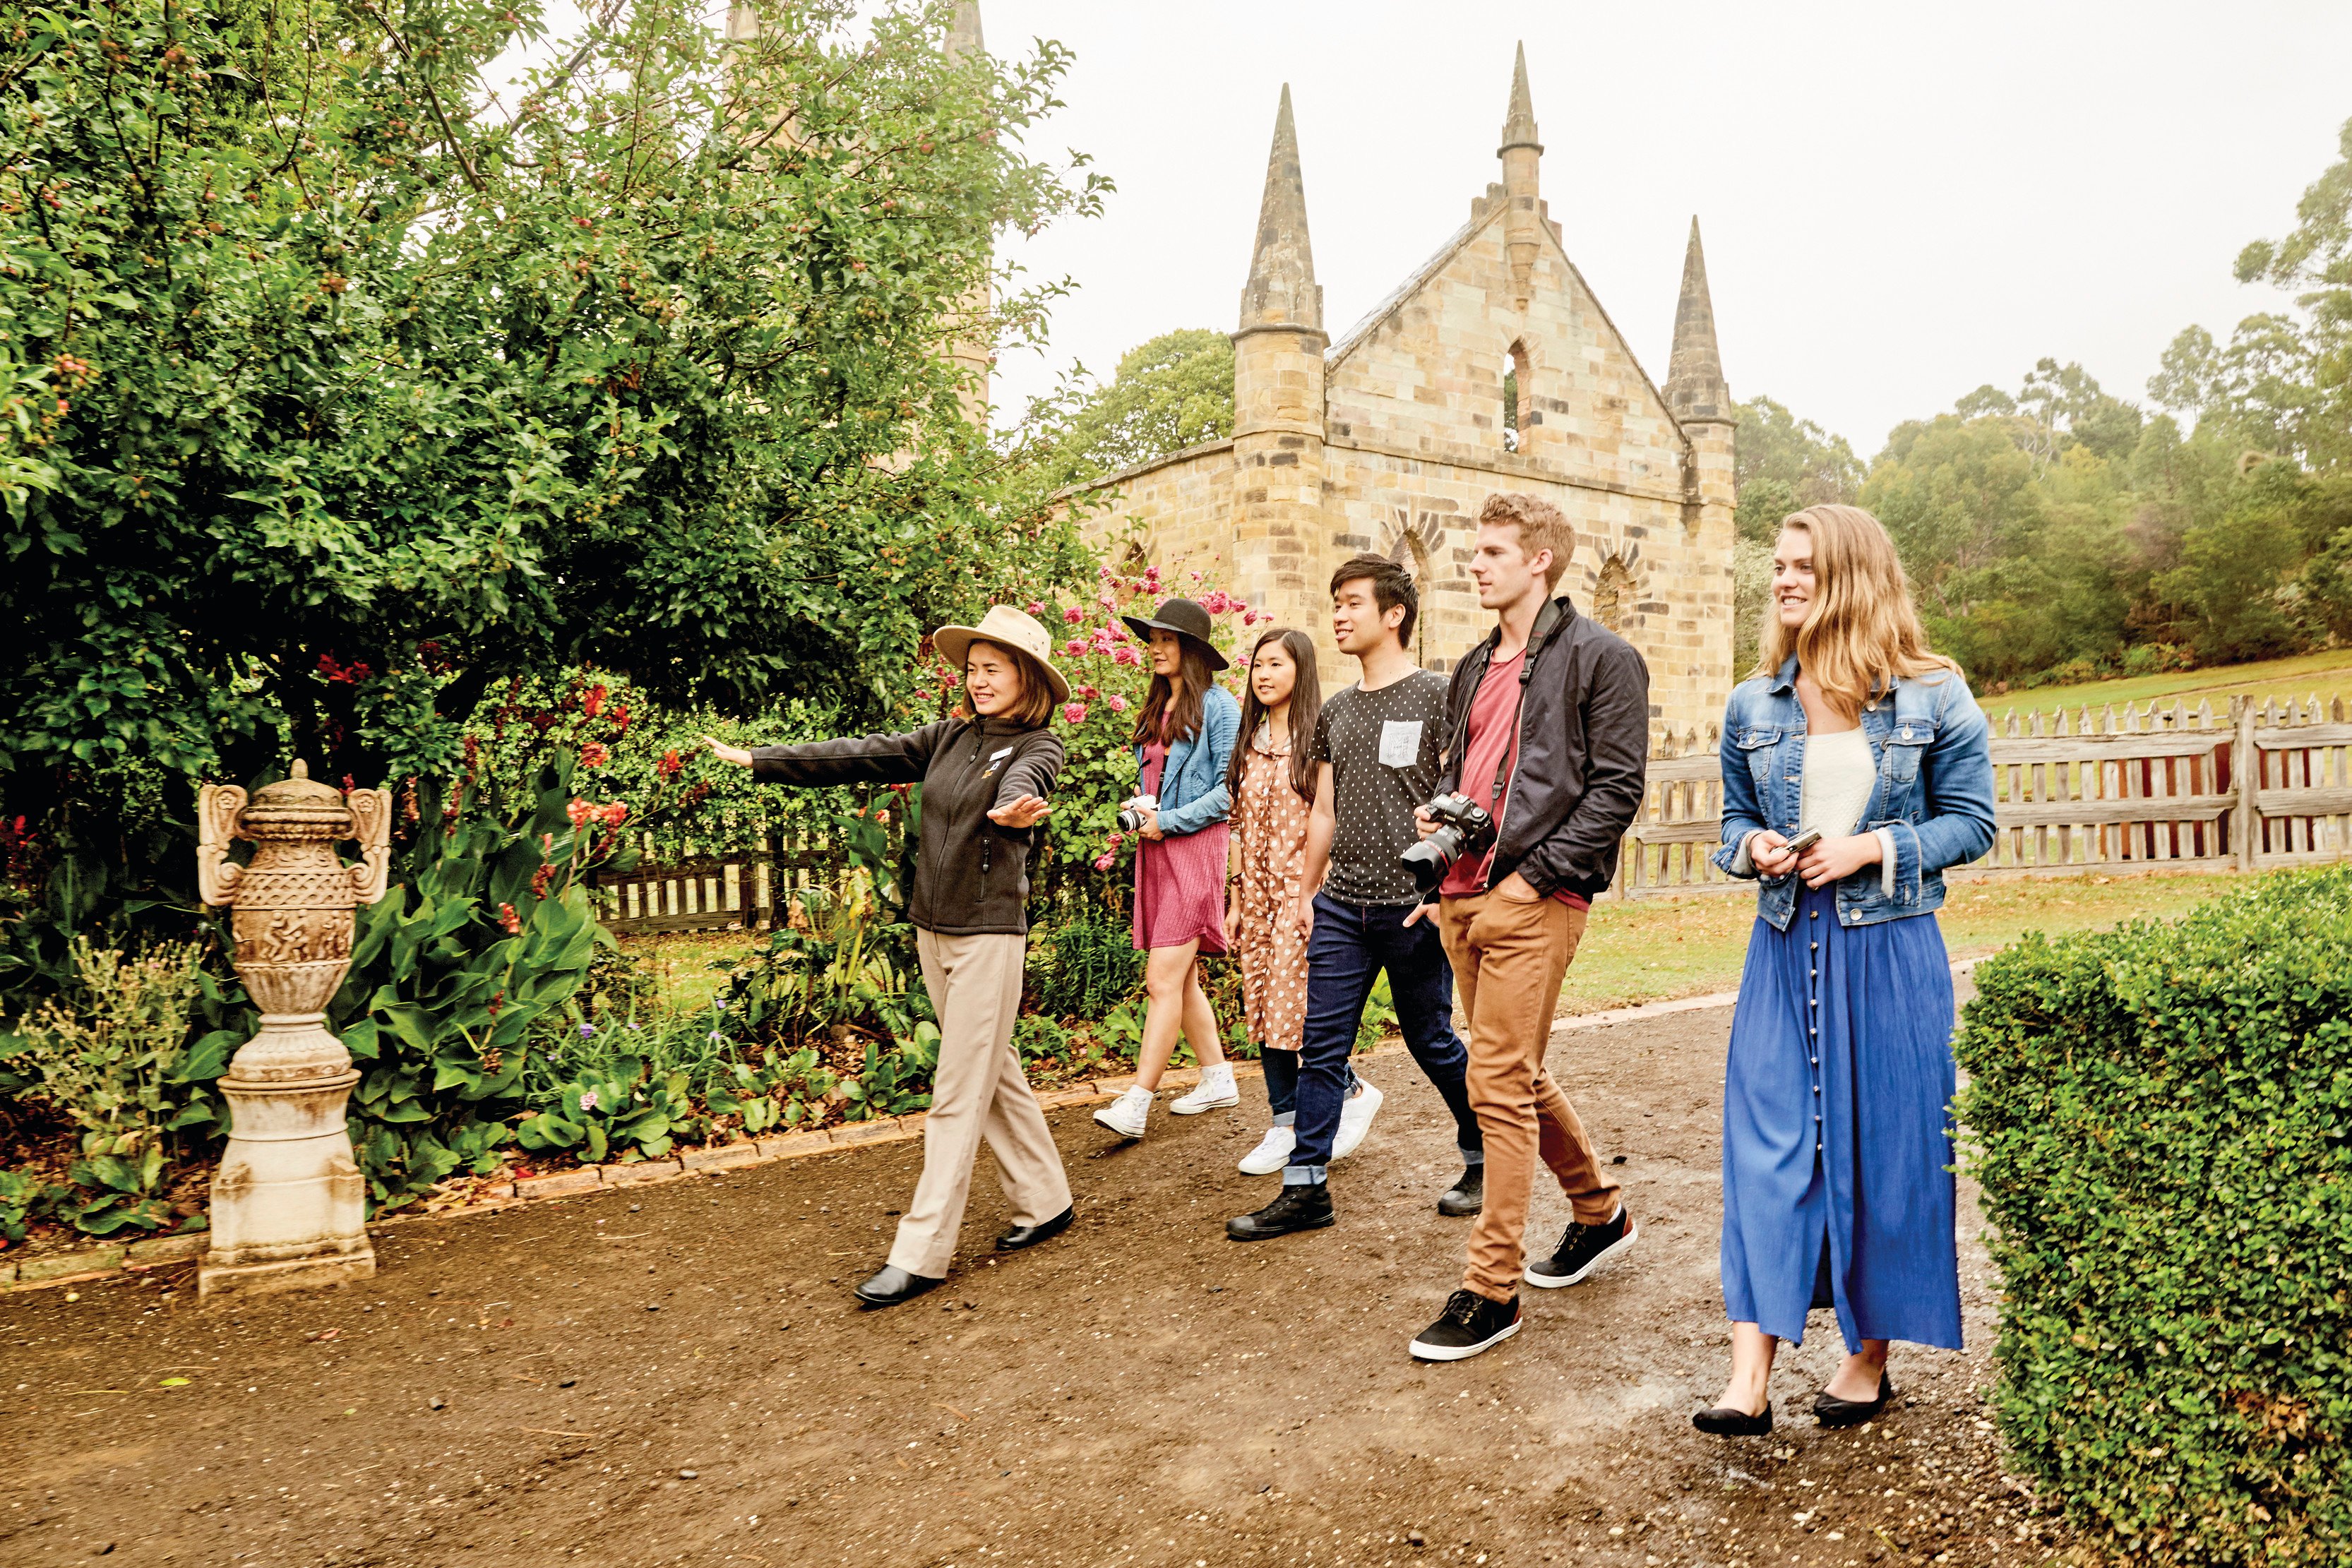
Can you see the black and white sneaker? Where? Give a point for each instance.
(1469, 1325)
(1581, 1250)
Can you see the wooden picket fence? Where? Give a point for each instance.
(2154, 789)
(2259, 785)
(742, 891)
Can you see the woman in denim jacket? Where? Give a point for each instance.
(1837, 1190)
(1184, 738)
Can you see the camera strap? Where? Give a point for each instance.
(1547, 620)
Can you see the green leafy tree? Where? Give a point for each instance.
(348, 388)
(1783, 463)
(1175, 392)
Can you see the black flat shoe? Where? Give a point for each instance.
(1022, 1236)
(1836, 1413)
(1725, 1421)
(891, 1286)
(1294, 1208)
(1467, 1196)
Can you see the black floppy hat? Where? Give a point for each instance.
(1185, 619)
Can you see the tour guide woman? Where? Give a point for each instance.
(1837, 1151)
(985, 773)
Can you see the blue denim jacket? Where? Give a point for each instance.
(1932, 749)
(1192, 792)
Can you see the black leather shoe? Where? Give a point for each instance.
(1022, 1236)
(891, 1286)
(1467, 1196)
(1307, 1206)
(1728, 1421)
(1835, 1413)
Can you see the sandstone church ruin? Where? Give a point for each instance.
(1492, 367)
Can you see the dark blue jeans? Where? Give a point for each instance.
(1282, 1085)
(1351, 945)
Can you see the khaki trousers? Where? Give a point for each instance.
(1509, 957)
(979, 1092)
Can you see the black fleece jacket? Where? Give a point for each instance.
(1584, 746)
(971, 877)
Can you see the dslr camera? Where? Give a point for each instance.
(1463, 827)
(1130, 816)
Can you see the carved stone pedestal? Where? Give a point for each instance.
(287, 1202)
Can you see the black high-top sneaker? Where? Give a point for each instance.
(1306, 1206)
(1469, 1325)
(1581, 1250)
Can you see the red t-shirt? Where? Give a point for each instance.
(1494, 735)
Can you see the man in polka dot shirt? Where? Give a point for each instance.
(1377, 747)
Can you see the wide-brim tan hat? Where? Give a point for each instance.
(1007, 628)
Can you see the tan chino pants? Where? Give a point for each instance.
(979, 1092)
(1508, 957)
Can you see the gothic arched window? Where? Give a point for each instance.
(1514, 383)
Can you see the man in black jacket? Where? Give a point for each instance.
(1548, 725)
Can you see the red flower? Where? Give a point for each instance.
(594, 754)
(1074, 615)
(509, 919)
(620, 718)
(539, 879)
(613, 815)
(595, 703)
(579, 812)
(1075, 712)
(670, 765)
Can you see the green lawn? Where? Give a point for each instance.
(1654, 950)
(2329, 674)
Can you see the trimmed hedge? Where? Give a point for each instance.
(2161, 1120)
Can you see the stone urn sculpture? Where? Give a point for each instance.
(287, 1202)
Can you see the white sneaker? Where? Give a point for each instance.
(1272, 1152)
(1129, 1113)
(1355, 1121)
(1214, 1092)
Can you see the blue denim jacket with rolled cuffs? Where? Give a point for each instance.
(1934, 792)
(1192, 792)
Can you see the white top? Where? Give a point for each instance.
(1839, 777)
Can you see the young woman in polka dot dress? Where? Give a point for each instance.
(1272, 780)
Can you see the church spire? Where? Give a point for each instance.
(1520, 123)
(1695, 385)
(1282, 290)
(963, 31)
(1522, 194)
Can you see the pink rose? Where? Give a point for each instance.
(1123, 656)
(1075, 712)
(1075, 646)
(1103, 863)
(1035, 607)
(1074, 615)
(1118, 702)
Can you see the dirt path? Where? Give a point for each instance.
(677, 1375)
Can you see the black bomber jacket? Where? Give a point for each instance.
(1583, 753)
(971, 877)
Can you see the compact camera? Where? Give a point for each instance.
(1463, 827)
(1130, 816)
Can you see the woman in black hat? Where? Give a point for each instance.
(1183, 741)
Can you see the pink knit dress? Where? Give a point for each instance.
(1180, 883)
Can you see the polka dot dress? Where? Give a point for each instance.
(1270, 823)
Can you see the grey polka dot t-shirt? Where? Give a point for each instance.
(1382, 747)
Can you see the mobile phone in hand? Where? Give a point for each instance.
(1803, 841)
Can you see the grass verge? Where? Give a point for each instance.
(2329, 675)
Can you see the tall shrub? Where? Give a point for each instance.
(2162, 1119)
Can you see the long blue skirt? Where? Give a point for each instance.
(1837, 1137)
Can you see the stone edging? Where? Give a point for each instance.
(97, 1262)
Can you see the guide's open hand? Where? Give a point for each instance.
(1021, 812)
(726, 753)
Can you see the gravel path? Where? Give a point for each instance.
(677, 1375)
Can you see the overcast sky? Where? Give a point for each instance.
(1900, 203)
